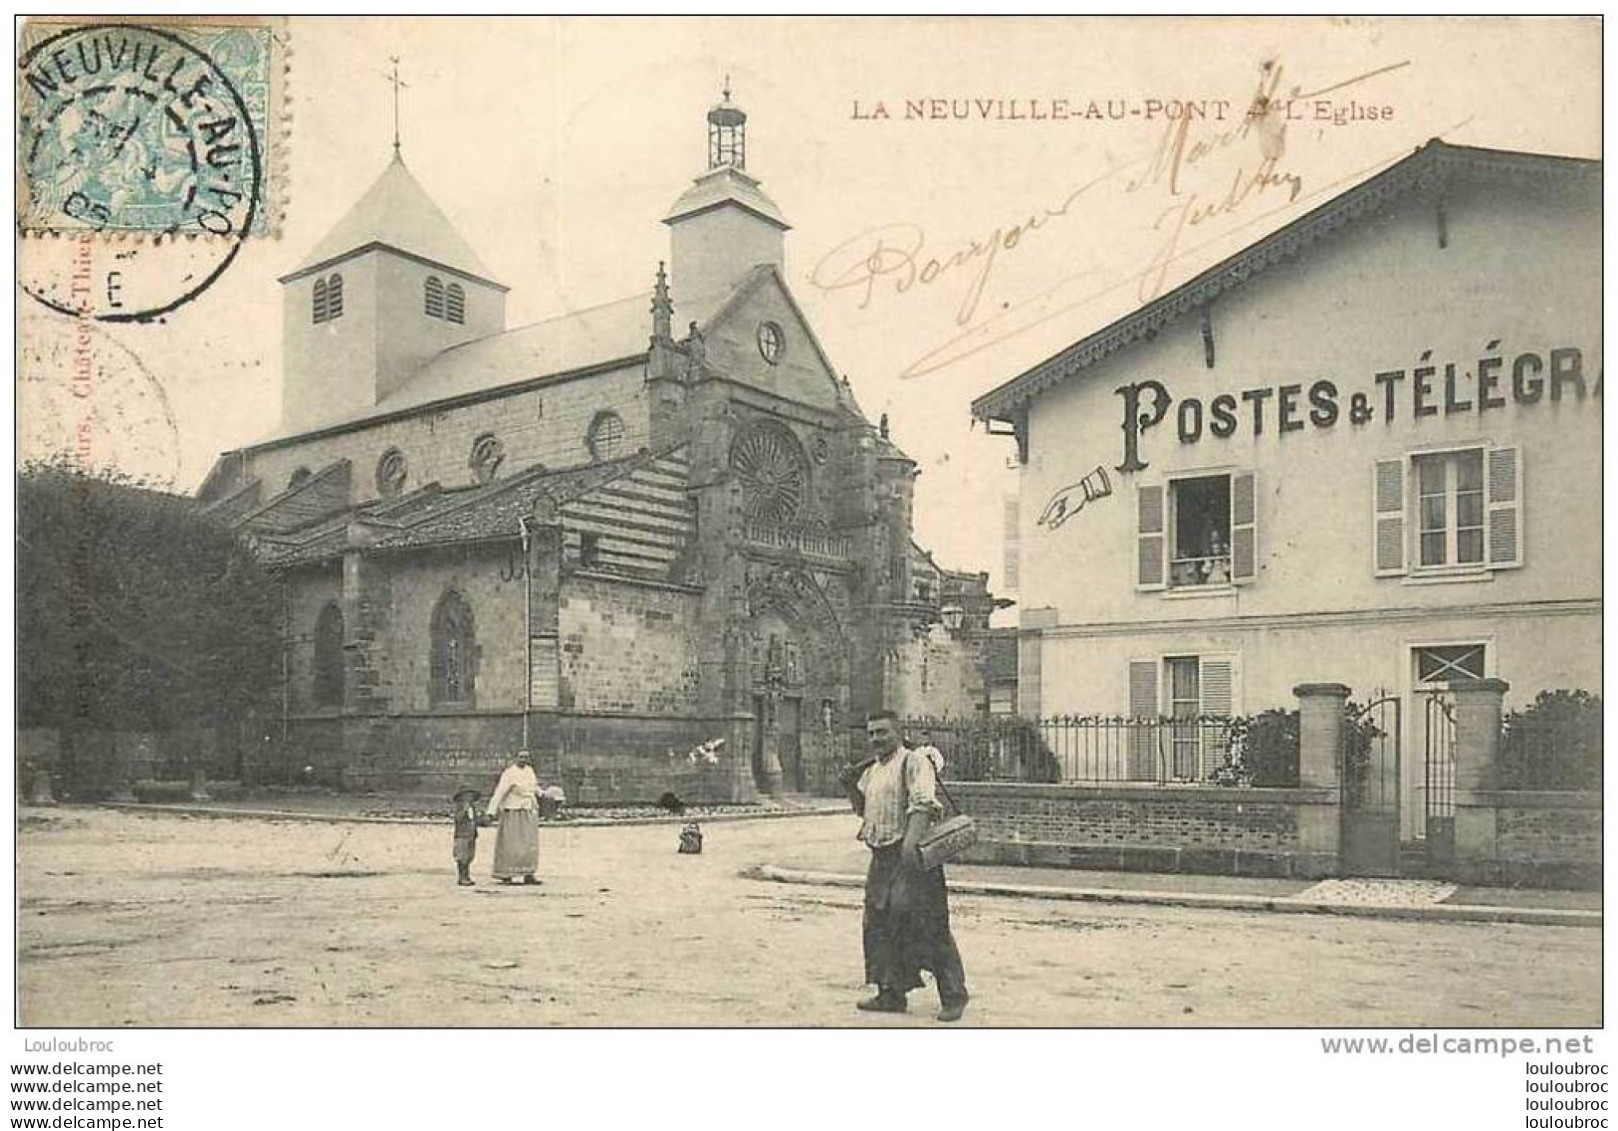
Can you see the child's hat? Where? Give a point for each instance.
(464, 791)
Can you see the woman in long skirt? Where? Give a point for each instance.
(515, 806)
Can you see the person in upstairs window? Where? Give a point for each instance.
(1216, 563)
(906, 926)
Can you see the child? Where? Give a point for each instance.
(466, 833)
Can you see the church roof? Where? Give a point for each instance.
(1428, 165)
(396, 213)
(726, 185)
(595, 337)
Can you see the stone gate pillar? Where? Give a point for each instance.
(1478, 707)
(1320, 734)
(1320, 745)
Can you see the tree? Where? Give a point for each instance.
(136, 613)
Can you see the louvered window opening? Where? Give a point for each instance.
(455, 303)
(327, 300)
(433, 300)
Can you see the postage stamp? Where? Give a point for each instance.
(157, 129)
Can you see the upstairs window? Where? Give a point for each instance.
(322, 310)
(434, 298)
(1197, 531)
(1448, 512)
(455, 303)
(1449, 508)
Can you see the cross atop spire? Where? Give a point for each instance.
(398, 84)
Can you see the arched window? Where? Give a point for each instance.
(487, 452)
(455, 303)
(435, 297)
(454, 651)
(321, 310)
(328, 689)
(334, 297)
(391, 471)
(605, 439)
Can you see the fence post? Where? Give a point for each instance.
(1320, 734)
(1320, 744)
(1478, 707)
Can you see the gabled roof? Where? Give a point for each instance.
(396, 213)
(1427, 167)
(726, 185)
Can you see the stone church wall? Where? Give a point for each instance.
(937, 674)
(541, 425)
(308, 592)
(417, 583)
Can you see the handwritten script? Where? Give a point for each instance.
(1237, 175)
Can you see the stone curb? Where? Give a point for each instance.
(1443, 912)
(346, 819)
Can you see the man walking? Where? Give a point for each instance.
(906, 905)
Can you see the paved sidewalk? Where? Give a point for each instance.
(1373, 898)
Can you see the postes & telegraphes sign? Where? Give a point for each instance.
(1426, 389)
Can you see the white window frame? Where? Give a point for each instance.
(1408, 517)
(1451, 563)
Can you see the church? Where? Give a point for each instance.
(657, 542)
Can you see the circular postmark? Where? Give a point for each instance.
(128, 130)
(84, 397)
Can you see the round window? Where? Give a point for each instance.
(487, 453)
(772, 342)
(391, 471)
(606, 436)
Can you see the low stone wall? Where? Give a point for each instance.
(1529, 838)
(596, 759)
(1251, 832)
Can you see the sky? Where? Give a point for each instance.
(999, 172)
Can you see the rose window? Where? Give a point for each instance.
(774, 474)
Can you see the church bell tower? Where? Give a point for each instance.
(723, 225)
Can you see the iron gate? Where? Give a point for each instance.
(1438, 742)
(1369, 777)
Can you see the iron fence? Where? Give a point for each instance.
(1086, 748)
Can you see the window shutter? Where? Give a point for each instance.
(320, 300)
(334, 297)
(1219, 679)
(1243, 527)
(1219, 690)
(434, 301)
(1151, 540)
(1504, 487)
(1143, 689)
(1388, 516)
(1142, 736)
(455, 303)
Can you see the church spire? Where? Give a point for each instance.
(727, 133)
